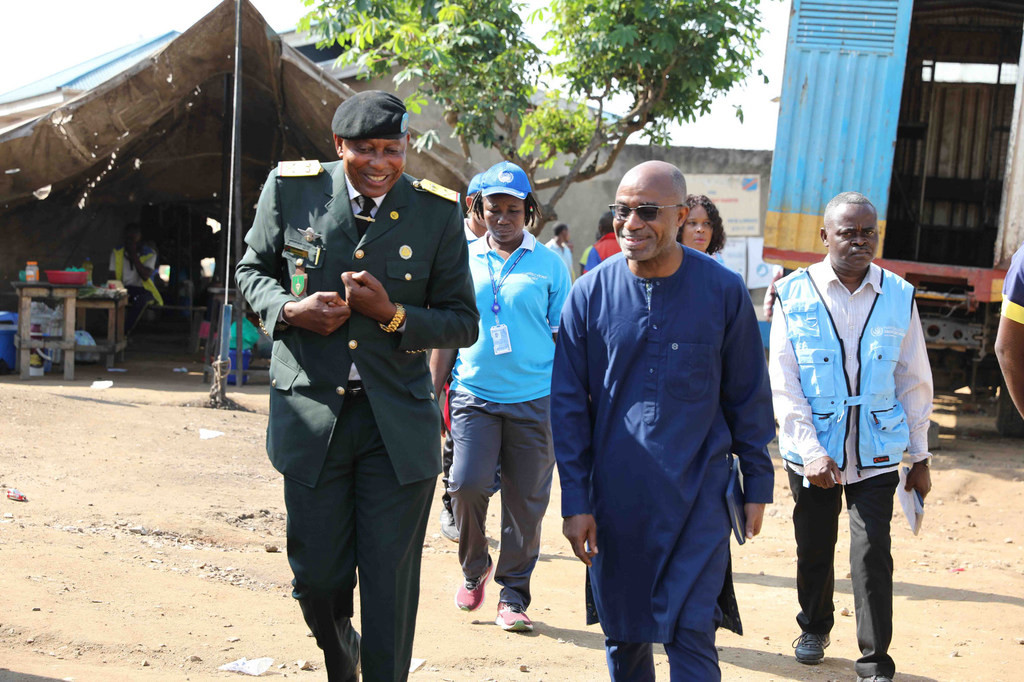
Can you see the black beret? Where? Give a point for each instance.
(371, 115)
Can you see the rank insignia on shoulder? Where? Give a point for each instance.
(298, 169)
(434, 188)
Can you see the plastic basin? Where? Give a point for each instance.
(67, 277)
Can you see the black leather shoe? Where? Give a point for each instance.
(874, 678)
(810, 648)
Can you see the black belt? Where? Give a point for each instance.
(354, 389)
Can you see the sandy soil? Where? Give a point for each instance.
(145, 553)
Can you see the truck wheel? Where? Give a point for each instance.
(1008, 421)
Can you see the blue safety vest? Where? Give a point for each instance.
(882, 431)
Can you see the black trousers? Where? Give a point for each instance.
(869, 503)
(358, 519)
(138, 300)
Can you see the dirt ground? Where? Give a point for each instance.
(144, 553)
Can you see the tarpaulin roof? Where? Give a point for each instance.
(159, 131)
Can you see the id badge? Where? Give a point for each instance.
(499, 335)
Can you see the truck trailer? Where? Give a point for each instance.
(917, 105)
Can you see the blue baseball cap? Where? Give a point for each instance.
(474, 184)
(505, 178)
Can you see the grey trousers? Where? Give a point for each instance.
(516, 436)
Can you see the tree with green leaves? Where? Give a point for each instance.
(660, 61)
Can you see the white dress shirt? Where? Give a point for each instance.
(356, 208)
(849, 312)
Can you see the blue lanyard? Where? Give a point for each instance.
(496, 286)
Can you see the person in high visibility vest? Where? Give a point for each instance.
(134, 264)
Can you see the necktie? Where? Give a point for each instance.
(363, 218)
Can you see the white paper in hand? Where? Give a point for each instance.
(910, 501)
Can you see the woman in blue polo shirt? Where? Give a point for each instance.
(500, 396)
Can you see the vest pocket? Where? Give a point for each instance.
(817, 371)
(822, 420)
(889, 430)
(802, 319)
(881, 362)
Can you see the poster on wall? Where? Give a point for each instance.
(759, 273)
(737, 197)
(734, 256)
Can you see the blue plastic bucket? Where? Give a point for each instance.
(7, 351)
(246, 357)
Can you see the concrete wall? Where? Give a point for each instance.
(584, 203)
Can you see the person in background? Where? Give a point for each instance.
(440, 373)
(1010, 337)
(562, 245)
(703, 229)
(583, 259)
(659, 375)
(357, 270)
(852, 390)
(770, 295)
(134, 264)
(500, 397)
(475, 227)
(605, 246)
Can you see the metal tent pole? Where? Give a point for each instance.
(233, 237)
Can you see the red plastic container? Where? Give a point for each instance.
(67, 277)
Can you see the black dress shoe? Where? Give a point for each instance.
(810, 648)
(874, 678)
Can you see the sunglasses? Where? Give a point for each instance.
(644, 213)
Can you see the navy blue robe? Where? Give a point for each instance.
(647, 400)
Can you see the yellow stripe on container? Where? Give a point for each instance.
(801, 232)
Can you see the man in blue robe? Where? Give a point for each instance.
(659, 374)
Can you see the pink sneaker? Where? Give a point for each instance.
(513, 618)
(470, 596)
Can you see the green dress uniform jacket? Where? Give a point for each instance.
(415, 247)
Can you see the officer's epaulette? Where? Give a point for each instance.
(434, 188)
(298, 169)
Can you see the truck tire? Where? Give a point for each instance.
(1009, 423)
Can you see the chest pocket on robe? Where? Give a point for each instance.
(689, 368)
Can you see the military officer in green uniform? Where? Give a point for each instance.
(355, 270)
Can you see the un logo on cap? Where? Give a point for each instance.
(505, 176)
(405, 122)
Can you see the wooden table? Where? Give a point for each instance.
(69, 295)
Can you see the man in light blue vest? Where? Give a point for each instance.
(852, 391)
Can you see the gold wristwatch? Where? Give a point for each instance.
(396, 321)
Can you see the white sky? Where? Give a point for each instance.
(40, 38)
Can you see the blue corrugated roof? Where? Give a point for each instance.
(91, 73)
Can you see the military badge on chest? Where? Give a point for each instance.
(299, 278)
